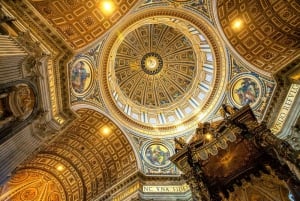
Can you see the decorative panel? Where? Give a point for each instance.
(91, 156)
(32, 185)
(81, 22)
(264, 32)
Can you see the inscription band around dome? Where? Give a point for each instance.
(151, 63)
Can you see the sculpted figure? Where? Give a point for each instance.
(17, 104)
(227, 110)
(179, 144)
(201, 131)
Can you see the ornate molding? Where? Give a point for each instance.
(47, 50)
(212, 170)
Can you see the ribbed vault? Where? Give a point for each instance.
(155, 65)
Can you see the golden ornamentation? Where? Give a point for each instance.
(268, 38)
(81, 22)
(138, 104)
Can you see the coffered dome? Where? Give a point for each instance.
(162, 72)
(155, 66)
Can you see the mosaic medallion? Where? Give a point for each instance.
(246, 90)
(157, 155)
(81, 76)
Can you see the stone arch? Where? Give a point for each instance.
(91, 107)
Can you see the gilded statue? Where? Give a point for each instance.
(202, 130)
(179, 144)
(227, 110)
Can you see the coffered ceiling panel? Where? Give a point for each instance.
(155, 65)
(80, 22)
(92, 152)
(266, 33)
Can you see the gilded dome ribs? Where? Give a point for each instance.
(133, 46)
(141, 41)
(166, 72)
(160, 37)
(173, 42)
(124, 82)
(133, 92)
(126, 57)
(150, 38)
(177, 51)
(167, 91)
(183, 74)
(171, 71)
(145, 84)
(156, 91)
(176, 84)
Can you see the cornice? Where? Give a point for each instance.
(28, 19)
(282, 89)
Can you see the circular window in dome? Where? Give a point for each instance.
(151, 63)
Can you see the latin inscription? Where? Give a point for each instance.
(285, 108)
(166, 189)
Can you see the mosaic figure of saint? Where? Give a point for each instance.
(79, 76)
(247, 91)
(157, 155)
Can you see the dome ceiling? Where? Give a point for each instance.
(155, 66)
(156, 79)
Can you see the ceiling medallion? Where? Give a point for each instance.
(151, 63)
